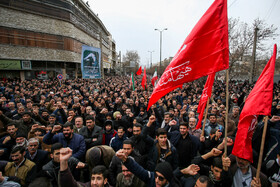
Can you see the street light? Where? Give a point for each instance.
(160, 31)
(151, 52)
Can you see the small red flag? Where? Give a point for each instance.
(205, 51)
(144, 79)
(206, 93)
(258, 103)
(139, 72)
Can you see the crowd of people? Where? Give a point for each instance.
(99, 133)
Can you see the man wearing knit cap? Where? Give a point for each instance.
(161, 177)
(163, 174)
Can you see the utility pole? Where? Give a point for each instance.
(151, 59)
(121, 66)
(253, 67)
(160, 46)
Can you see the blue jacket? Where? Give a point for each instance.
(117, 143)
(77, 143)
(215, 126)
(146, 176)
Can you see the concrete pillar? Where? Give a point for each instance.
(22, 76)
(76, 70)
(64, 71)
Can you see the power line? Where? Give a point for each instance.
(271, 9)
(232, 4)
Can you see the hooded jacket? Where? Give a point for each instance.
(117, 143)
(170, 156)
(108, 135)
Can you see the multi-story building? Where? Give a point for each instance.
(43, 38)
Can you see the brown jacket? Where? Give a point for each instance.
(26, 172)
(107, 153)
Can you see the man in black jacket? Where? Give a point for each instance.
(91, 132)
(142, 144)
(39, 157)
(7, 142)
(51, 169)
(218, 173)
(186, 144)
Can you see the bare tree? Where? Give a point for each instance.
(131, 56)
(241, 40)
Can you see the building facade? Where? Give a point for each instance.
(44, 38)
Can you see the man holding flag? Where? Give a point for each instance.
(261, 96)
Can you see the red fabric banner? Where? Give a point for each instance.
(144, 79)
(200, 117)
(204, 51)
(206, 93)
(258, 103)
(139, 72)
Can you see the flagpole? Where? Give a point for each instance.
(226, 123)
(205, 117)
(262, 147)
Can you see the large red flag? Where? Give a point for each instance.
(207, 91)
(205, 51)
(144, 79)
(258, 103)
(139, 72)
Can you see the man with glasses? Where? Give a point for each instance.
(162, 176)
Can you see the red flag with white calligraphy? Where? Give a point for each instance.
(258, 103)
(204, 51)
(206, 93)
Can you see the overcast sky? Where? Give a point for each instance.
(132, 22)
